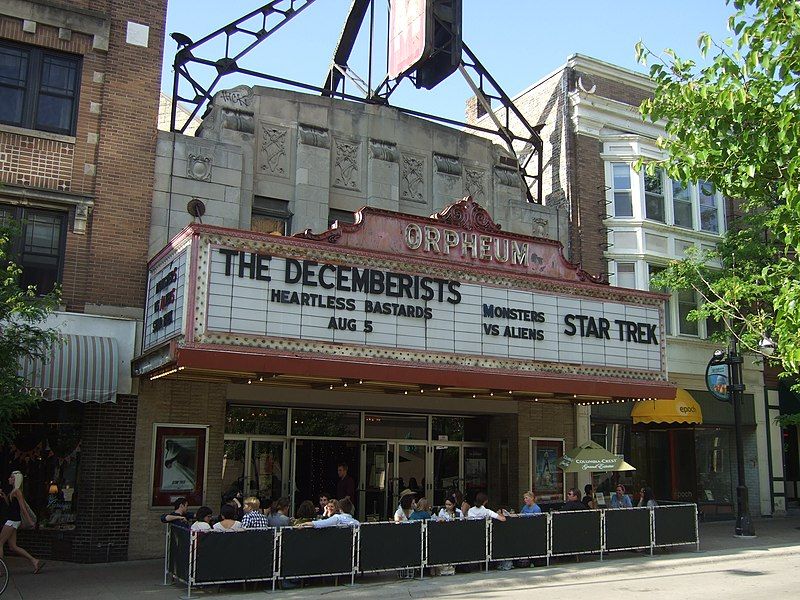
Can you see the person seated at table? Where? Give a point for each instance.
(228, 522)
(479, 511)
(279, 516)
(343, 519)
(621, 499)
(180, 513)
(203, 518)
(647, 498)
(573, 502)
(449, 512)
(306, 513)
(529, 506)
(331, 508)
(406, 507)
(322, 498)
(422, 512)
(588, 496)
(253, 517)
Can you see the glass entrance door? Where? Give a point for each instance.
(374, 482)
(476, 479)
(266, 479)
(446, 472)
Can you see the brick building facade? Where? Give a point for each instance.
(77, 153)
(627, 225)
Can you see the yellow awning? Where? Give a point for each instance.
(683, 409)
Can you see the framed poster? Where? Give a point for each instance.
(179, 463)
(547, 480)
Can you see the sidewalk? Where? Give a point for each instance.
(142, 580)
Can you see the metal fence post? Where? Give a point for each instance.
(166, 556)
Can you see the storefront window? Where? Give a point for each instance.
(326, 423)
(395, 427)
(257, 420)
(47, 450)
(715, 465)
(460, 429)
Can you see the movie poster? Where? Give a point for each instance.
(179, 464)
(547, 479)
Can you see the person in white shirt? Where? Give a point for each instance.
(228, 523)
(202, 518)
(406, 506)
(479, 511)
(449, 512)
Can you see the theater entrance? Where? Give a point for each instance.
(271, 452)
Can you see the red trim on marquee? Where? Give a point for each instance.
(448, 376)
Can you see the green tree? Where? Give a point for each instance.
(733, 122)
(21, 337)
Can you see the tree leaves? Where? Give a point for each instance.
(21, 311)
(735, 123)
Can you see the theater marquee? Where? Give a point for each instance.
(450, 290)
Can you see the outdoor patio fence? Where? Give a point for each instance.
(206, 558)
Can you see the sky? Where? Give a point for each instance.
(517, 41)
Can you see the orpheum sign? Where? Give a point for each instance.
(452, 290)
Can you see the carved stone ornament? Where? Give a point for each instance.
(412, 179)
(273, 158)
(238, 121)
(314, 136)
(346, 172)
(381, 150)
(239, 98)
(81, 218)
(540, 226)
(199, 167)
(474, 184)
(469, 215)
(449, 165)
(508, 177)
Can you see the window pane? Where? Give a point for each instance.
(654, 196)
(680, 192)
(260, 420)
(42, 249)
(325, 423)
(683, 214)
(622, 176)
(705, 193)
(714, 327)
(623, 204)
(687, 302)
(59, 75)
(708, 218)
(626, 275)
(395, 427)
(11, 102)
(654, 270)
(54, 113)
(271, 225)
(13, 78)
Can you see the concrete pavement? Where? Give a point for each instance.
(777, 538)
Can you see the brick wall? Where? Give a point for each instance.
(111, 157)
(172, 402)
(104, 483)
(588, 234)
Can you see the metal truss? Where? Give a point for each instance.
(525, 146)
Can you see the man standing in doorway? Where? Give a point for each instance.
(346, 486)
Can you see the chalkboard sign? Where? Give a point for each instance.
(327, 551)
(179, 552)
(386, 546)
(456, 542)
(576, 531)
(234, 556)
(522, 537)
(675, 524)
(627, 528)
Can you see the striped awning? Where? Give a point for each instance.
(81, 368)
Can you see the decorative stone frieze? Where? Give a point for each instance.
(273, 157)
(382, 150)
(198, 167)
(346, 166)
(313, 136)
(412, 178)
